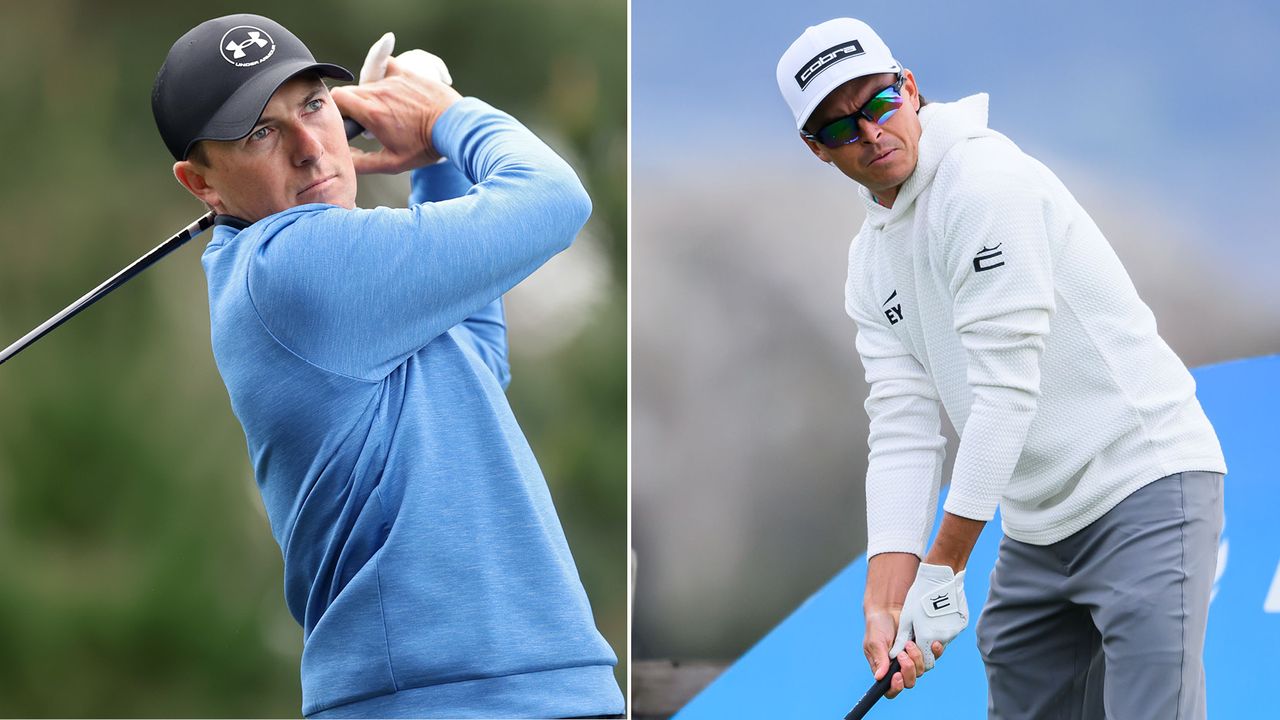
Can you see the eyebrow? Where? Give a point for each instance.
(875, 90)
(265, 118)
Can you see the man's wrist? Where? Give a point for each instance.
(889, 576)
(881, 607)
(451, 126)
(954, 542)
(953, 561)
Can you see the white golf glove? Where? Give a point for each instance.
(420, 61)
(935, 609)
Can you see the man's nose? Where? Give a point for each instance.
(868, 130)
(307, 147)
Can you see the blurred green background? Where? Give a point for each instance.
(139, 574)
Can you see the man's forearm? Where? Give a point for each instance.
(955, 541)
(889, 576)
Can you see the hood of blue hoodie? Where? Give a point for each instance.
(942, 127)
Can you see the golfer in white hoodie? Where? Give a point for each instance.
(980, 286)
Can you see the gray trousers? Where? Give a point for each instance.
(1108, 623)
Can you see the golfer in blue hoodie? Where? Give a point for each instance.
(364, 352)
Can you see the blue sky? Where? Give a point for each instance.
(1174, 101)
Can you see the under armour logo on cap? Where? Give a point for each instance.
(196, 97)
(246, 46)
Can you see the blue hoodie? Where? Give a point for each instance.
(364, 352)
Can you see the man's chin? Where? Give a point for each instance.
(888, 176)
(330, 192)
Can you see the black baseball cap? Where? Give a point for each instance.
(218, 78)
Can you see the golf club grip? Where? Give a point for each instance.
(874, 693)
(352, 127)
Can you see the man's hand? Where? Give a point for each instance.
(933, 613)
(400, 110)
(882, 625)
(889, 577)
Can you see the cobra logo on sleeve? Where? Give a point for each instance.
(986, 258)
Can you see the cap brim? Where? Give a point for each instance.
(237, 116)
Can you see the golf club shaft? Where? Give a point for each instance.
(874, 693)
(203, 223)
(115, 281)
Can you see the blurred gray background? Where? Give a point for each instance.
(749, 437)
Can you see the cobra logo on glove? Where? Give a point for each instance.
(935, 609)
(940, 604)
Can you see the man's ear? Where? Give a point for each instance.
(909, 87)
(192, 177)
(817, 149)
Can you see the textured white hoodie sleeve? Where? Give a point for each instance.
(904, 467)
(1002, 309)
(1012, 313)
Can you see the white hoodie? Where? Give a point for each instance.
(988, 289)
